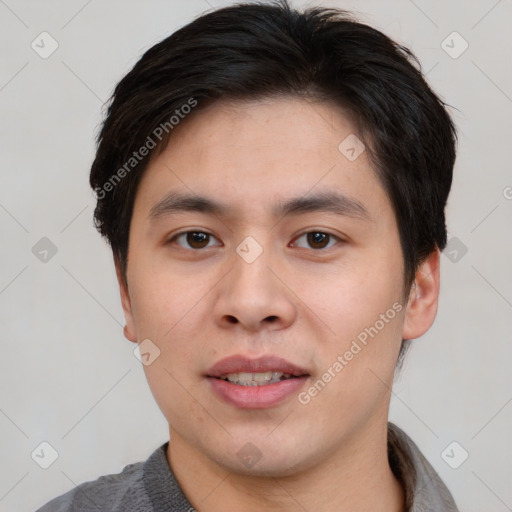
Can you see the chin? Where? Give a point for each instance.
(263, 457)
(268, 467)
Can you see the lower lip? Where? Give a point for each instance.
(256, 397)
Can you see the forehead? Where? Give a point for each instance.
(253, 153)
(273, 126)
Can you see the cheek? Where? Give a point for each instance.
(161, 302)
(362, 307)
(353, 298)
(358, 362)
(170, 310)
(166, 315)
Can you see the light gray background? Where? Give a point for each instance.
(68, 376)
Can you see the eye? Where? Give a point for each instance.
(318, 239)
(195, 239)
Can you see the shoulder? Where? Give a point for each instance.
(115, 492)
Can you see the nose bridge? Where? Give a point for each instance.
(251, 264)
(252, 293)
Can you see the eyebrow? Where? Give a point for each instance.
(328, 202)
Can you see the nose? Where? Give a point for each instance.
(254, 295)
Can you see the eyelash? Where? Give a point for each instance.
(182, 233)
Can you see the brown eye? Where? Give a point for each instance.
(197, 239)
(193, 239)
(318, 239)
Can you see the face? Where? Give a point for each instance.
(291, 264)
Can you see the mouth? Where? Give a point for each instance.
(256, 383)
(257, 379)
(262, 371)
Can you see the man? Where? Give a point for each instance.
(273, 186)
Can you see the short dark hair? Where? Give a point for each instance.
(256, 50)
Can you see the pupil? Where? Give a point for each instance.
(318, 238)
(197, 238)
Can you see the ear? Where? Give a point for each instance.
(129, 328)
(421, 307)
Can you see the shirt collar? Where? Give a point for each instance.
(424, 490)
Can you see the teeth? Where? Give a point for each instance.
(261, 377)
(255, 379)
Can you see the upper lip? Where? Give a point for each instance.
(240, 363)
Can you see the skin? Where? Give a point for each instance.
(297, 301)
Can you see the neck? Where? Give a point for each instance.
(355, 477)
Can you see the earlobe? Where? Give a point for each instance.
(422, 304)
(129, 328)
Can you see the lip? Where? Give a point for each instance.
(239, 363)
(255, 397)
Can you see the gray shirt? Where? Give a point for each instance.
(150, 486)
